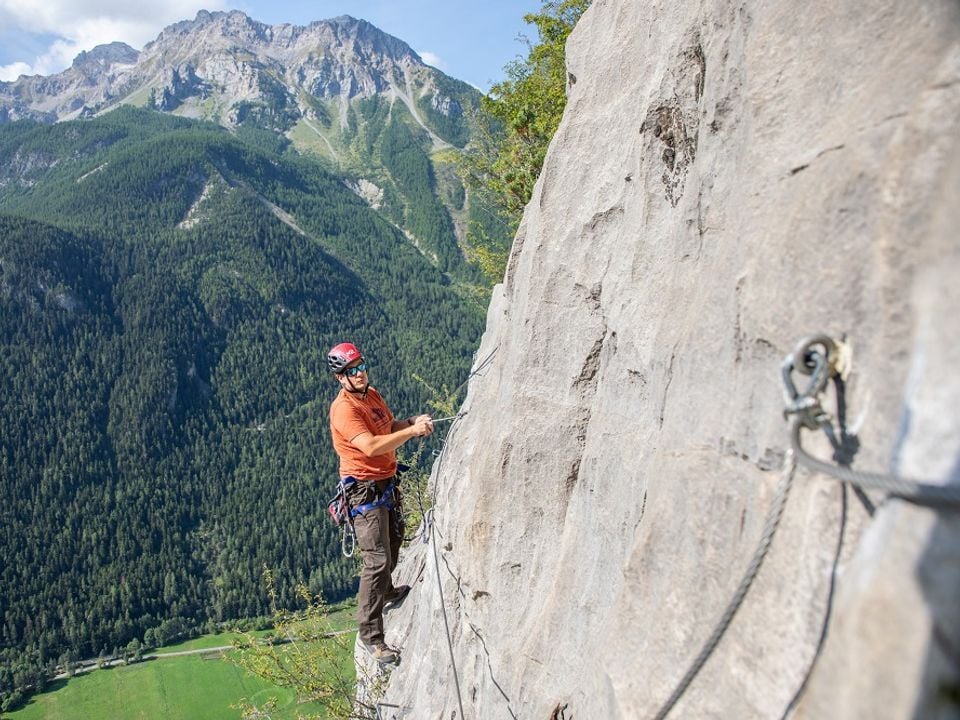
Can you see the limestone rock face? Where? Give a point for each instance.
(728, 178)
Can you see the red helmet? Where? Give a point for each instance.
(342, 355)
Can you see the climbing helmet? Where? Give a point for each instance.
(342, 355)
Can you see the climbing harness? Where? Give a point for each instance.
(343, 514)
(387, 497)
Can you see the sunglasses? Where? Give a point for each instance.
(352, 371)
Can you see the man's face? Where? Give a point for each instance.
(354, 376)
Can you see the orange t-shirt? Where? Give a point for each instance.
(352, 415)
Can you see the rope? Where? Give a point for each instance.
(428, 529)
(446, 624)
(424, 530)
(828, 611)
(808, 413)
(769, 530)
(823, 358)
(486, 361)
(910, 490)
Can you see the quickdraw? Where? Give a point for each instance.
(339, 510)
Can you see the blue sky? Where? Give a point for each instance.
(471, 41)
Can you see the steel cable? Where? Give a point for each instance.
(446, 624)
(429, 529)
(769, 530)
(906, 489)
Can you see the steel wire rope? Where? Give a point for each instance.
(808, 413)
(915, 491)
(446, 623)
(483, 364)
(796, 402)
(429, 529)
(454, 419)
(822, 358)
(769, 530)
(494, 213)
(828, 609)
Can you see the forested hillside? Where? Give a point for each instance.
(168, 292)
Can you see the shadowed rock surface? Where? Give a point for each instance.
(728, 178)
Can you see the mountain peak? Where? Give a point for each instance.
(229, 68)
(366, 32)
(234, 24)
(103, 56)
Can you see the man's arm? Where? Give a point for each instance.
(401, 424)
(372, 445)
(406, 422)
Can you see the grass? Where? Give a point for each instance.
(306, 138)
(205, 642)
(183, 687)
(138, 98)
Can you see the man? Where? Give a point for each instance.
(366, 436)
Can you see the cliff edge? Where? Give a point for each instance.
(729, 177)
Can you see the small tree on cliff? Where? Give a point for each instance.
(306, 654)
(515, 123)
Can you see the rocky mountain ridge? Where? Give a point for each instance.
(213, 66)
(340, 90)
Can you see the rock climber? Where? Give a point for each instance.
(365, 436)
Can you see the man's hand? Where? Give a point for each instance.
(422, 426)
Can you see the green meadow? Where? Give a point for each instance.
(199, 686)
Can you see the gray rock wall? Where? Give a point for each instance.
(728, 178)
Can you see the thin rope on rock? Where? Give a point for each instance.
(446, 624)
(828, 610)
(429, 529)
(769, 530)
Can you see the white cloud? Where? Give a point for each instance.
(432, 59)
(84, 25)
(13, 71)
(62, 17)
(58, 56)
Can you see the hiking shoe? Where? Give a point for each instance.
(383, 653)
(396, 596)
